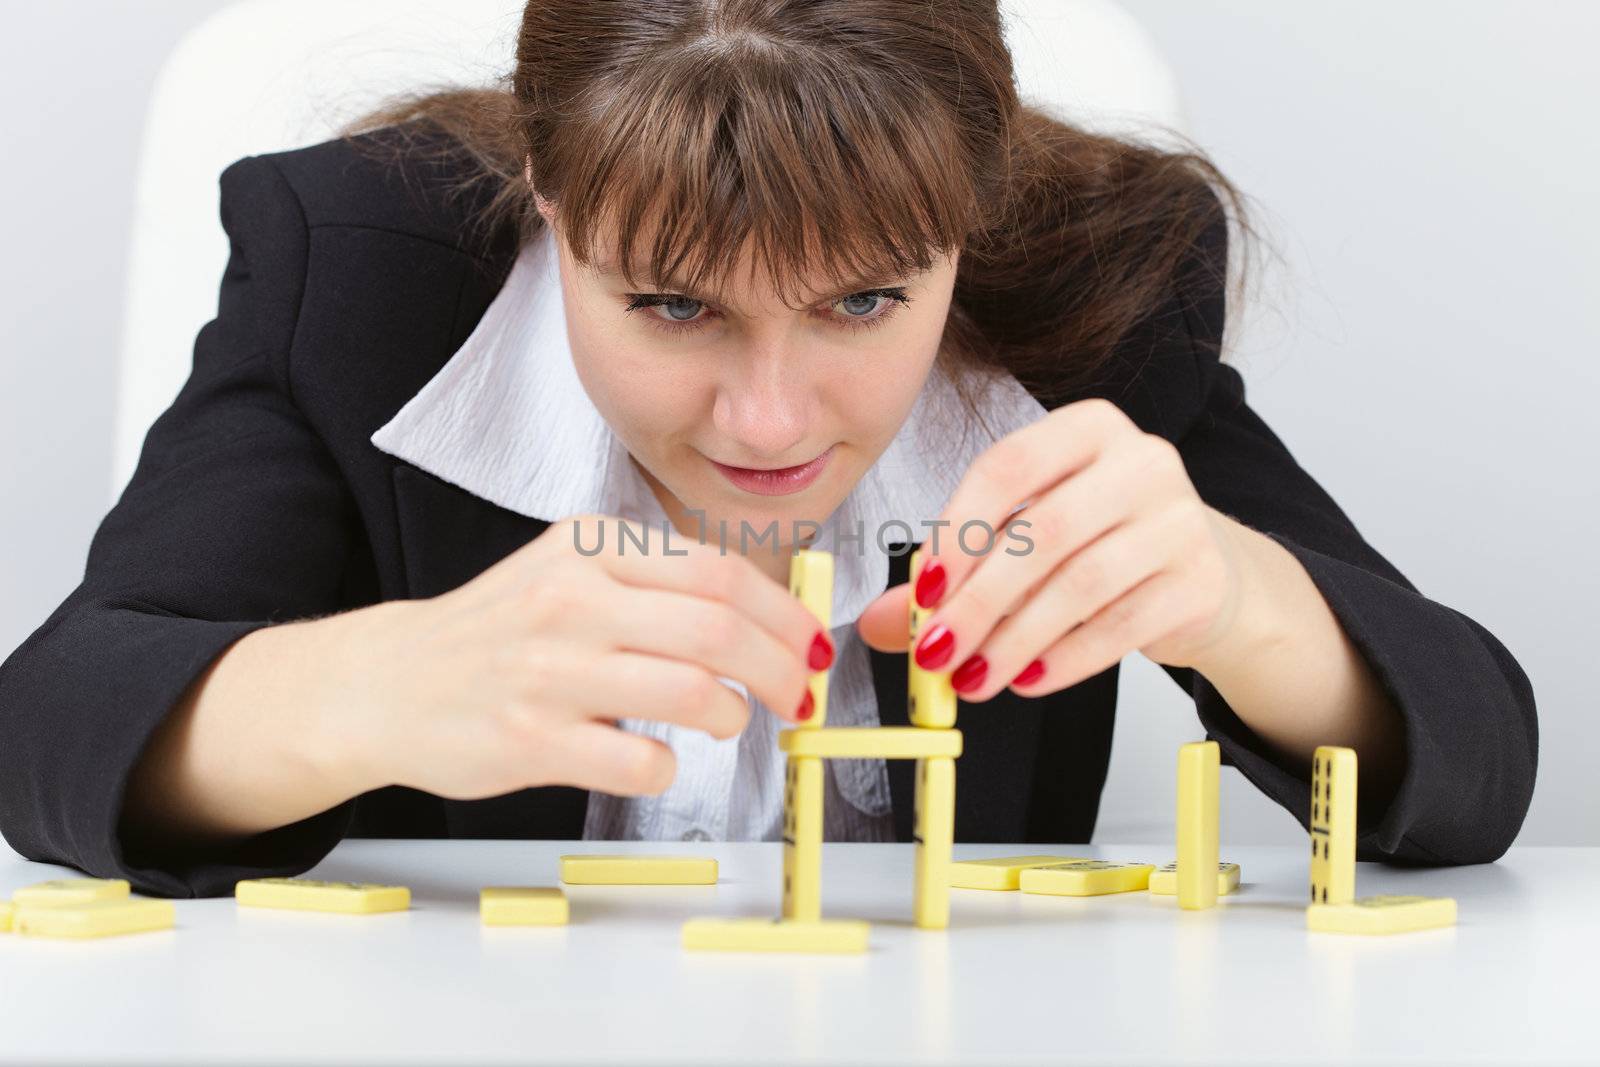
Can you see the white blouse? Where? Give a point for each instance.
(507, 420)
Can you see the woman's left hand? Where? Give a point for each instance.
(1115, 552)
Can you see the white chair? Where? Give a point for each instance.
(265, 75)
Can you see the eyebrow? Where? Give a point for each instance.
(867, 283)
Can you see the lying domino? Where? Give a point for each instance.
(1164, 880)
(96, 918)
(776, 935)
(1000, 873)
(1382, 915)
(1086, 878)
(638, 870)
(70, 891)
(522, 906)
(871, 742)
(305, 894)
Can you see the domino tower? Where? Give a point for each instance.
(932, 741)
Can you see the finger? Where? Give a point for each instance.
(1018, 468)
(617, 685)
(1080, 586)
(668, 690)
(600, 757)
(709, 634)
(729, 579)
(1110, 492)
(883, 625)
(1140, 617)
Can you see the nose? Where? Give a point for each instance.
(764, 405)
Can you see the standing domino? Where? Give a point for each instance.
(811, 579)
(935, 838)
(930, 698)
(1333, 825)
(1198, 765)
(802, 839)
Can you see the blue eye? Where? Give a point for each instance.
(688, 308)
(860, 304)
(683, 313)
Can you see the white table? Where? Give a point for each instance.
(1124, 979)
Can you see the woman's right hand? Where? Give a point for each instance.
(515, 679)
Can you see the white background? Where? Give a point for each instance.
(1426, 345)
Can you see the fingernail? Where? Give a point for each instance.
(807, 706)
(821, 654)
(1030, 674)
(936, 648)
(930, 584)
(969, 675)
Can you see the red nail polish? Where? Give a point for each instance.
(807, 706)
(936, 648)
(821, 654)
(930, 584)
(969, 675)
(1030, 674)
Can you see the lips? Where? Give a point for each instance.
(780, 481)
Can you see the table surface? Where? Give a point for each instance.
(1016, 978)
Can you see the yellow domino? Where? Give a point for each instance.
(504, 905)
(1164, 880)
(1382, 915)
(97, 918)
(6, 910)
(811, 579)
(802, 838)
(930, 698)
(1198, 767)
(776, 935)
(934, 834)
(638, 870)
(1086, 878)
(70, 891)
(1000, 873)
(871, 742)
(306, 894)
(1333, 825)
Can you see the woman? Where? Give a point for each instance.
(807, 270)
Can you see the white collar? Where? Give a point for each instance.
(508, 420)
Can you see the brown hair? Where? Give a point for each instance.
(852, 137)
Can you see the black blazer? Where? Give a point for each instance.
(258, 498)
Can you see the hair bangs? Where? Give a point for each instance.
(726, 150)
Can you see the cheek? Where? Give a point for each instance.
(641, 396)
(874, 404)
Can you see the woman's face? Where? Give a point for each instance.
(733, 404)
